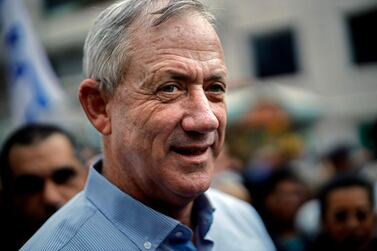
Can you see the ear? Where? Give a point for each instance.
(94, 103)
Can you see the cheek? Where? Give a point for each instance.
(220, 112)
(145, 129)
(128, 123)
(332, 225)
(29, 205)
(147, 116)
(70, 189)
(161, 127)
(368, 224)
(160, 119)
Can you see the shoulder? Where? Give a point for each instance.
(228, 205)
(236, 224)
(79, 225)
(63, 226)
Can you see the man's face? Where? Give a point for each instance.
(44, 177)
(349, 219)
(168, 116)
(289, 193)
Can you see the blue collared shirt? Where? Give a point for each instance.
(102, 217)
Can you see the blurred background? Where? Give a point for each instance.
(302, 73)
(302, 90)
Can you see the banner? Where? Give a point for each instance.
(35, 93)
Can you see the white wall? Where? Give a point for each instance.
(348, 92)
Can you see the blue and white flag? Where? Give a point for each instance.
(34, 89)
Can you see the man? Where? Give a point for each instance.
(155, 91)
(40, 172)
(281, 187)
(348, 220)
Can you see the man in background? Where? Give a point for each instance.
(347, 216)
(40, 172)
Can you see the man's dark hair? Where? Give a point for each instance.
(340, 182)
(26, 135)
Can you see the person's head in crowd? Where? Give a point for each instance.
(155, 89)
(339, 158)
(278, 197)
(346, 209)
(281, 187)
(40, 172)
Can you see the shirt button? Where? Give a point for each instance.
(178, 234)
(147, 245)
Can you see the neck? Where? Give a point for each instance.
(182, 214)
(180, 209)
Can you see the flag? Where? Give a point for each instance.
(35, 93)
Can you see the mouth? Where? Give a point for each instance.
(190, 151)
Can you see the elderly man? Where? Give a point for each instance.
(155, 91)
(40, 172)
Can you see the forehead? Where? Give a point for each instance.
(288, 185)
(348, 197)
(185, 31)
(41, 158)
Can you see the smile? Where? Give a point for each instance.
(193, 155)
(190, 151)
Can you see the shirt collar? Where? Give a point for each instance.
(203, 214)
(140, 223)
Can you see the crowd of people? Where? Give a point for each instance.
(42, 169)
(155, 90)
(329, 204)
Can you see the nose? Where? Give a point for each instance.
(352, 222)
(200, 116)
(52, 196)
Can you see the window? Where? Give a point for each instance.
(274, 53)
(363, 39)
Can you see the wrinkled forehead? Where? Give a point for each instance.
(190, 29)
(186, 33)
(161, 11)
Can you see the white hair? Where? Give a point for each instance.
(106, 46)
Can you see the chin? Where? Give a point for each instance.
(194, 188)
(189, 181)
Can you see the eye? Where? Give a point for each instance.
(361, 215)
(340, 216)
(170, 88)
(28, 185)
(63, 175)
(217, 88)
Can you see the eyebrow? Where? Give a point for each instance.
(215, 77)
(179, 76)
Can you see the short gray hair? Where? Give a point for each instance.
(106, 46)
